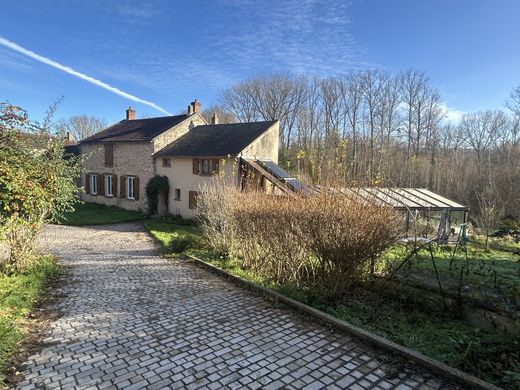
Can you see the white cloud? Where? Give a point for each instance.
(452, 115)
(66, 69)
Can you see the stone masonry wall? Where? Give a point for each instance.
(176, 132)
(130, 159)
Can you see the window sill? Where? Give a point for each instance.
(177, 199)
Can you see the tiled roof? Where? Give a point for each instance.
(216, 140)
(136, 130)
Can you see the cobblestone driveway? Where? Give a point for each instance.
(134, 320)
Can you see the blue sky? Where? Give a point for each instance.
(170, 52)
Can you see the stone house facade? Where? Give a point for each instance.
(119, 160)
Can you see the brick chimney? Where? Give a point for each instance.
(196, 106)
(130, 114)
(214, 119)
(190, 109)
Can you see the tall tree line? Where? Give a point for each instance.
(377, 128)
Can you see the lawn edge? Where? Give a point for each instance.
(435, 366)
(101, 224)
(36, 326)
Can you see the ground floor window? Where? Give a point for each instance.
(93, 184)
(130, 187)
(177, 194)
(193, 199)
(108, 185)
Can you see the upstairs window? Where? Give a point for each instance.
(109, 155)
(205, 167)
(166, 162)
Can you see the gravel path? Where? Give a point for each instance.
(134, 320)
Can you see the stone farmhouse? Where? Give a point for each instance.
(121, 159)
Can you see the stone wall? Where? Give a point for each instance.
(130, 159)
(176, 132)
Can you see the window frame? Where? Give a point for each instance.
(93, 184)
(130, 181)
(108, 186)
(175, 197)
(203, 171)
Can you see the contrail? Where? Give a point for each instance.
(66, 69)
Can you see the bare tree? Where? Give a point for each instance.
(377, 128)
(223, 116)
(81, 126)
(489, 209)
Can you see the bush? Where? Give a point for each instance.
(327, 241)
(36, 183)
(213, 212)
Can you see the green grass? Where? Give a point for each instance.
(18, 294)
(405, 317)
(494, 272)
(176, 237)
(97, 214)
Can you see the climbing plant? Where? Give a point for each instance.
(156, 185)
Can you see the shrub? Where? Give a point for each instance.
(214, 214)
(36, 183)
(346, 236)
(327, 241)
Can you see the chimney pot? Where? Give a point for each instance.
(130, 113)
(196, 106)
(214, 119)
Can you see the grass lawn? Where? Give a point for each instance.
(487, 273)
(97, 214)
(176, 237)
(18, 294)
(402, 317)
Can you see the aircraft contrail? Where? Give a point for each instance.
(66, 69)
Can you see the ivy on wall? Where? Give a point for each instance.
(156, 185)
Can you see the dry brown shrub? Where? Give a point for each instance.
(269, 237)
(346, 236)
(214, 213)
(327, 241)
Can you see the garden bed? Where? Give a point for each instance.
(413, 320)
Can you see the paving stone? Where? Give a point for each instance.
(135, 320)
